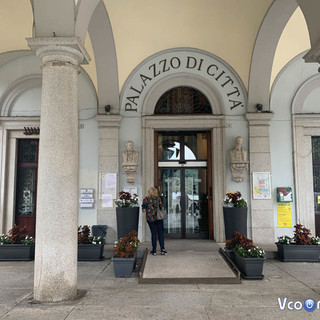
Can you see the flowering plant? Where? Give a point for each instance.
(253, 252)
(234, 199)
(239, 240)
(285, 240)
(17, 235)
(126, 199)
(302, 236)
(127, 246)
(84, 236)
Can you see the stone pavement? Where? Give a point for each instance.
(101, 296)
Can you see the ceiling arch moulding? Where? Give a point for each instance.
(264, 50)
(15, 89)
(310, 10)
(302, 93)
(54, 18)
(6, 57)
(103, 45)
(84, 10)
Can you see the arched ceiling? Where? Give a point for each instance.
(288, 46)
(225, 28)
(16, 21)
(141, 28)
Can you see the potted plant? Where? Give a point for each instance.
(124, 258)
(127, 212)
(250, 260)
(17, 245)
(301, 248)
(89, 248)
(235, 214)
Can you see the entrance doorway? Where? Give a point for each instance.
(183, 177)
(26, 184)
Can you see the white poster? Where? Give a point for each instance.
(261, 185)
(107, 200)
(111, 180)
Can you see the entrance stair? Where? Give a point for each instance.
(188, 262)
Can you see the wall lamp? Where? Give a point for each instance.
(259, 107)
(107, 108)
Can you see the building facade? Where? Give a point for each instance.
(183, 81)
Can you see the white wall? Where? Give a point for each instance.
(293, 75)
(28, 103)
(88, 145)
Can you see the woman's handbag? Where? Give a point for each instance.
(161, 213)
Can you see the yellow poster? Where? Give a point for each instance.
(284, 215)
(318, 199)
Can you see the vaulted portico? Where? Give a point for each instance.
(233, 67)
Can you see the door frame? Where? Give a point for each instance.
(11, 129)
(304, 126)
(212, 123)
(208, 173)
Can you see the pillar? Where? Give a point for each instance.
(262, 215)
(109, 126)
(55, 271)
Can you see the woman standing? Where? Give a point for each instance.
(150, 206)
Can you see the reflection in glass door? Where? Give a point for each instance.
(183, 182)
(186, 201)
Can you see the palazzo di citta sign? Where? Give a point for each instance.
(215, 71)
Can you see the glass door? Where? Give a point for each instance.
(183, 182)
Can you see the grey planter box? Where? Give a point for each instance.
(123, 267)
(16, 252)
(298, 253)
(127, 220)
(90, 252)
(250, 268)
(230, 254)
(235, 219)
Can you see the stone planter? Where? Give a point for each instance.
(16, 252)
(235, 219)
(298, 253)
(250, 268)
(127, 220)
(90, 252)
(123, 267)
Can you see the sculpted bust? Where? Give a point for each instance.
(130, 162)
(239, 163)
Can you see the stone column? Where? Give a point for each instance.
(262, 215)
(109, 163)
(55, 274)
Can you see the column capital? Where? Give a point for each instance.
(65, 49)
(108, 120)
(259, 118)
(313, 55)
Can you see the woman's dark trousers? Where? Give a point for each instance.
(156, 227)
